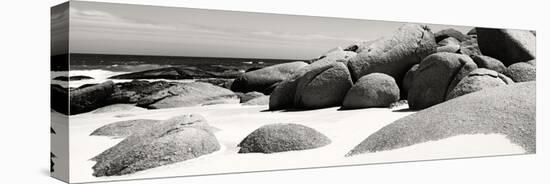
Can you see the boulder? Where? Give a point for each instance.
(275, 138)
(89, 98)
(132, 92)
(489, 63)
(507, 45)
(59, 99)
(372, 90)
(472, 32)
(188, 94)
(118, 108)
(408, 80)
(477, 80)
(522, 72)
(323, 86)
(393, 55)
(446, 33)
(508, 110)
(448, 41)
(174, 140)
(448, 48)
(266, 79)
(437, 74)
(72, 78)
(262, 100)
(245, 97)
(125, 128)
(282, 96)
(337, 54)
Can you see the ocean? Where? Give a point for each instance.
(102, 66)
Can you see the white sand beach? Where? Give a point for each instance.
(346, 129)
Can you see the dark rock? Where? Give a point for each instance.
(393, 55)
(446, 33)
(72, 78)
(262, 100)
(174, 140)
(408, 80)
(372, 90)
(470, 47)
(508, 46)
(118, 108)
(323, 86)
(472, 32)
(59, 99)
(521, 72)
(249, 96)
(90, 98)
(282, 137)
(437, 74)
(489, 63)
(508, 110)
(183, 72)
(186, 95)
(126, 128)
(266, 79)
(477, 80)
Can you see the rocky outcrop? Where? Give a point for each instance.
(372, 90)
(507, 45)
(393, 55)
(477, 80)
(266, 79)
(187, 94)
(508, 110)
(522, 72)
(90, 98)
(437, 74)
(174, 140)
(275, 138)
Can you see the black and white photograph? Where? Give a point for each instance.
(141, 91)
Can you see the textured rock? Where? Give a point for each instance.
(470, 47)
(508, 46)
(509, 110)
(173, 140)
(282, 137)
(372, 90)
(336, 55)
(521, 72)
(393, 55)
(477, 80)
(453, 33)
(188, 94)
(89, 98)
(489, 63)
(437, 74)
(126, 128)
(448, 48)
(132, 92)
(408, 80)
(323, 86)
(118, 108)
(266, 79)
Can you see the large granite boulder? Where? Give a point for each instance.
(489, 63)
(408, 80)
(125, 128)
(372, 90)
(188, 94)
(275, 138)
(173, 140)
(90, 98)
(266, 79)
(477, 80)
(522, 72)
(323, 86)
(507, 45)
(393, 55)
(437, 74)
(508, 110)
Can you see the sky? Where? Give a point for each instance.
(108, 28)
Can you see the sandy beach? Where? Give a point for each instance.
(236, 121)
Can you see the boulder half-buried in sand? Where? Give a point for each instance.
(508, 110)
(282, 137)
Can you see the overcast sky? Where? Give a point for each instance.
(151, 30)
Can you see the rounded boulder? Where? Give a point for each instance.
(477, 80)
(372, 90)
(522, 72)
